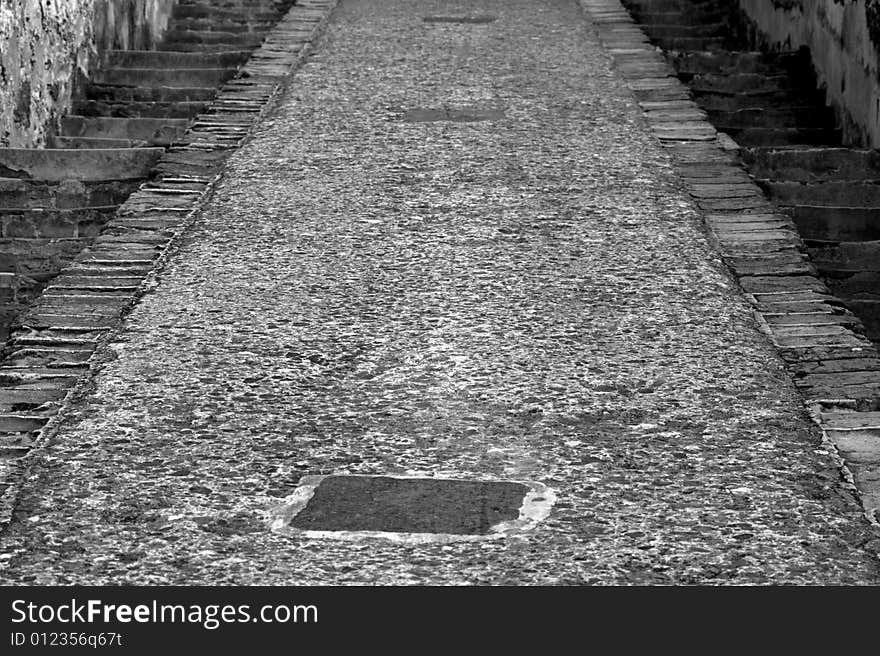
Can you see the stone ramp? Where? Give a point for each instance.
(526, 296)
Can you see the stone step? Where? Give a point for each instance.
(117, 95)
(721, 62)
(232, 40)
(773, 117)
(220, 13)
(255, 12)
(21, 423)
(691, 43)
(140, 109)
(38, 260)
(175, 60)
(68, 281)
(69, 223)
(39, 319)
(726, 102)
(833, 193)
(646, 18)
(869, 313)
(149, 94)
(162, 131)
(94, 142)
(823, 223)
(812, 164)
(771, 105)
(163, 77)
(220, 25)
(183, 46)
(846, 257)
(767, 137)
(674, 31)
(53, 164)
(681, 6)
(51, 356)
(275, 5)
(18, 195)
(23, 399)
(863, 286)
(55, 201)
(749, 84)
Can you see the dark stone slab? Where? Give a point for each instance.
(409, 505)
(480, 19)
(461, 115)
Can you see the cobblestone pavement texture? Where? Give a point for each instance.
(526, 298)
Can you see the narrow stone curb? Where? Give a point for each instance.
(834, 366)
(50, 355)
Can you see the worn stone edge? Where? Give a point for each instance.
(771, 269)
(225, 125)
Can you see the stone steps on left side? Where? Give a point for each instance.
(52, 203)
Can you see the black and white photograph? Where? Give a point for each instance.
(323, 295)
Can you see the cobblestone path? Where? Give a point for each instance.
(528, 297)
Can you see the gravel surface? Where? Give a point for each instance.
(527, 298)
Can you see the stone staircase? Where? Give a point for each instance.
(770, 104)
(136, 104)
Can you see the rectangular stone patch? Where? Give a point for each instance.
(409, 505)
(480, 19)
(461, 115)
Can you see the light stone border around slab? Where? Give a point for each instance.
(536, 506)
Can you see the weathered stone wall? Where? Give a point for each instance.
(45, 45)
(130, 24)
(844, 40)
